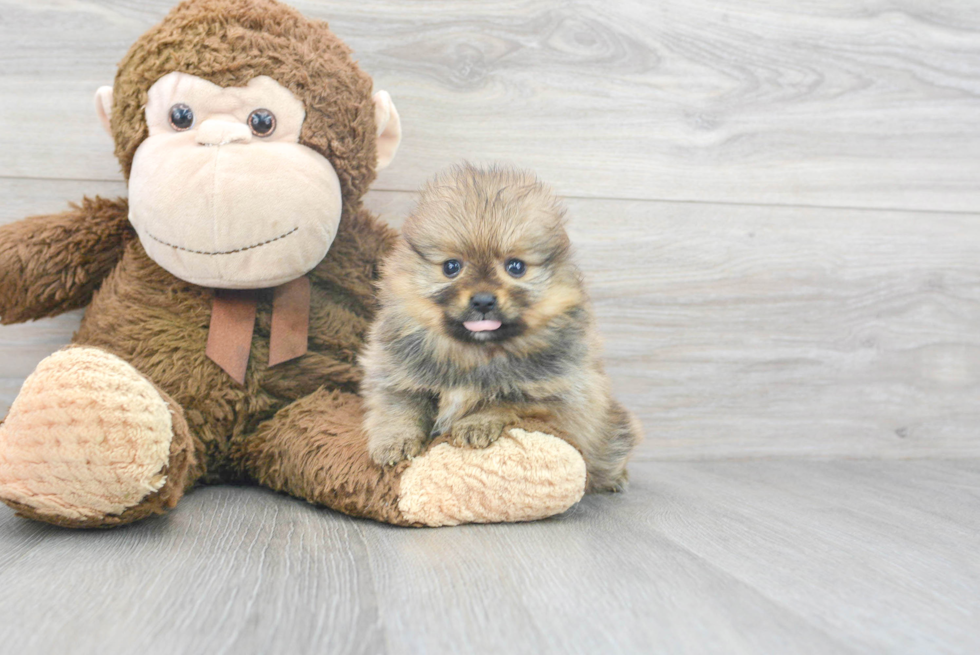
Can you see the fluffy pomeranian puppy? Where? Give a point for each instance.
(484, 323)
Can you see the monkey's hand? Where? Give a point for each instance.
(481, 429)
(53, 264)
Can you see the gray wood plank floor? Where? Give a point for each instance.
(779, 556)
(776, 207)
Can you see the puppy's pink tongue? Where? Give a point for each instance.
(481, 326)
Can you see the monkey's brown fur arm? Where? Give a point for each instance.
(53, 264)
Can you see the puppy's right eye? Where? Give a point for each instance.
(516, 267)
(181, 117)
(452, 267)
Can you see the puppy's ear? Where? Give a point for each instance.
(103, 107)
(389, 128)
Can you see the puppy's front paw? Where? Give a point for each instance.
(477, 431)
(392, 447)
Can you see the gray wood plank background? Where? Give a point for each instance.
(776, 205)
(744, 320)
(735, 330)
(863, 104)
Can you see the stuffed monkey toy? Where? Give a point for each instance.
(228, 297)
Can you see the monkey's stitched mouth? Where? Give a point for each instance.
(222, 252)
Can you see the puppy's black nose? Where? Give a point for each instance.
(483, 302)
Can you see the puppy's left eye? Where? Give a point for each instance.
(451, 267)
(515, 267)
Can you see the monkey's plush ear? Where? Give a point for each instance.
(103, 107)
(389, 128)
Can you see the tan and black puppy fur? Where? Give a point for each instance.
(484, 322)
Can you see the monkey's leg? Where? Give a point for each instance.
(90, 442)
(316, 449)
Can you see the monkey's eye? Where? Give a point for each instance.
(452, 267)
(181, 117)
(515, 267)
(262, 122)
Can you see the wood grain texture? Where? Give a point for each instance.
(709, 557)
(757, 339)
(736, 331)
(838, 103)
(241, 571)
(748, 331)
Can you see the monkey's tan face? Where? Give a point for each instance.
(221, 192)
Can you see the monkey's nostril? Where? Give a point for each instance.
(483, 302)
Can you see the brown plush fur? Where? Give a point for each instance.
(77, 250)
(344, 476)
(229, 42)
(427, 374)
(159, 323)
(295, 427)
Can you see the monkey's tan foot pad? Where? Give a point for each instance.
(523, 476)
(87, 437)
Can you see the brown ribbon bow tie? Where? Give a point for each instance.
(233, 320)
